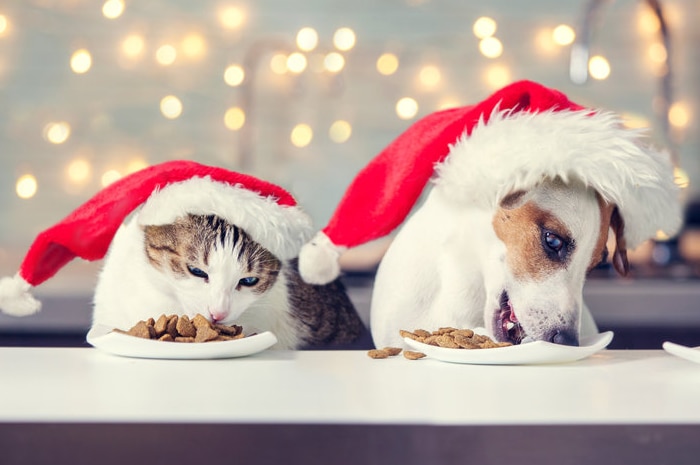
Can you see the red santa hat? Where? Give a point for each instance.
(160, 193)
(511, 141)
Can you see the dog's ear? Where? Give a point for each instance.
(514, 200)
(619, 259)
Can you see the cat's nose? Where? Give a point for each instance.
(217, 316)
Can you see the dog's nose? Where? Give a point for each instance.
(563, 337)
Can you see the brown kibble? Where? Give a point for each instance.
(233, 330)
(463, 332)
(453, 338)
(448, 341)
(465, 342)
(200, 322)
(392, 351)
(378, 353)
(182, 329)
(161, 325)
(445, 330)
(412, 355)
(185, 327)
(141, 329)
(171, 327)
(205, 333)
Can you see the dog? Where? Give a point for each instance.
(518, 270)
(523, 193)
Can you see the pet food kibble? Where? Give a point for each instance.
(161, 325)
(205, 333)
(385, 352)
(185, 327)
(142, 330)
(453, 338)
(377, 353)
(411, 355)
(175, 328)
(392, 350)
(446, 340)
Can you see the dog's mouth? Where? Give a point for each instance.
(507, 327)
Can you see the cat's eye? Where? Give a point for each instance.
(249, 281)
(194, 271)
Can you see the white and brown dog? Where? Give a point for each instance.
(526, 187)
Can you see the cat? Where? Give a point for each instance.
(205, 264)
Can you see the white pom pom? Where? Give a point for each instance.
(318, 260)
(15, 298)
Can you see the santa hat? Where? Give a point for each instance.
(511, 141)
(164, 192)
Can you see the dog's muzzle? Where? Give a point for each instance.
(507, 328)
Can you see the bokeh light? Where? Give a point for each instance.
(57, 132)
(301, 135)
(234, 75)
(109, 176)
(193, 46)
(497, 76)
(234, 118)
(430, 76)
(133, 46)
(563, 35)
(278, 63)
(80, 61)
(344, 39)
(26, 186)
(599, 67)
(334, 62)
(112, 9)
(491, 47)
(307, 39)
(171, 107)
(232, 17)
(78, 171)
(340, 131)
(484, 27)
(166, 55)
(406, 108)
(679, 115)
(296, 62)
(4, 25)
(387, 64)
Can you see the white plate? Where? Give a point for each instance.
(688, 353)
(531, 353)
(129, 346)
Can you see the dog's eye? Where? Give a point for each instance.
(553, 241)
(249, 281)
(555, 246)
(194, 271)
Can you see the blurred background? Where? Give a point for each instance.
(304, 93)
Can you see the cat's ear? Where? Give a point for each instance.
(162, 235)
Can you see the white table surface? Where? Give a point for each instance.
(344, 387)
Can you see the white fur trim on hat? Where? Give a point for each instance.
(15, 298)
(515, 151)
(318, 260)
(280, 229)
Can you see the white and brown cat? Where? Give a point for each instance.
(204, 264)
